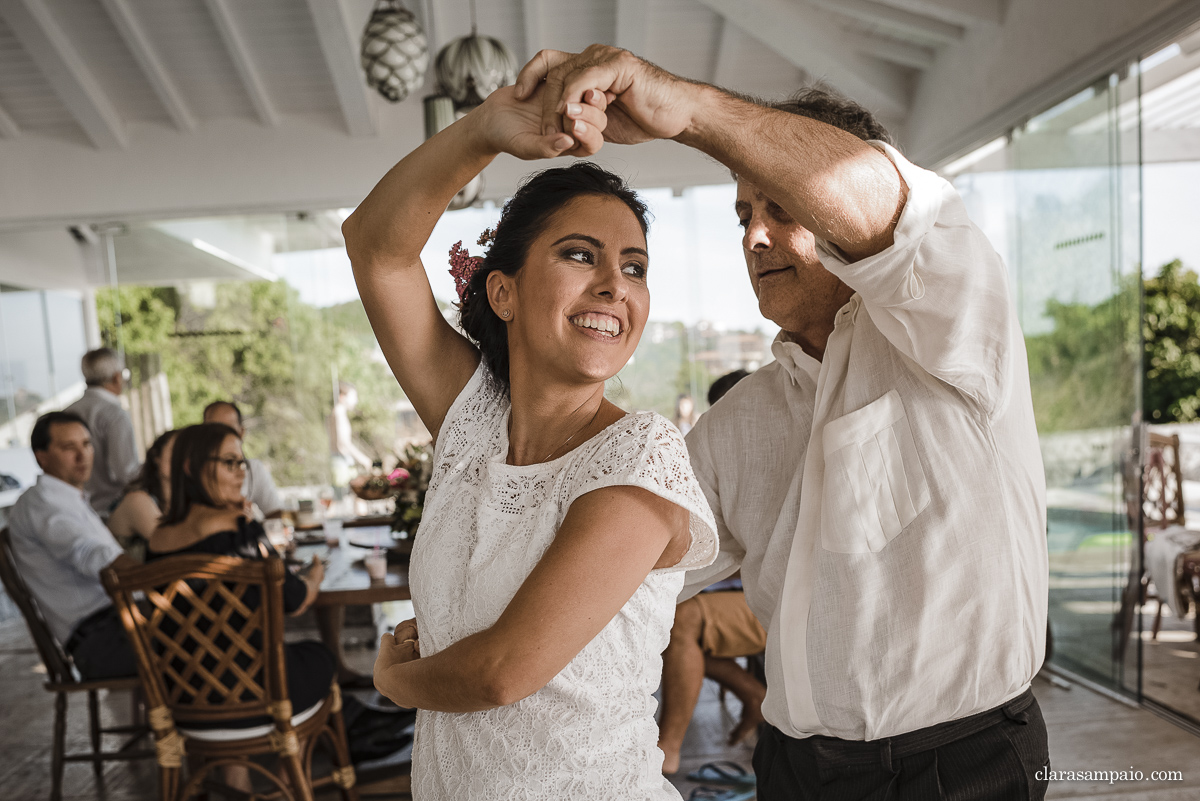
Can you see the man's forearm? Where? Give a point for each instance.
(830, 181)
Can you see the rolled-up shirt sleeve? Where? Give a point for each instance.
(70, 540)
(940, 292)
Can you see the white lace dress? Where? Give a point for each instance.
(589, 733)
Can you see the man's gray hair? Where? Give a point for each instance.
(823, 105)
(100, 366)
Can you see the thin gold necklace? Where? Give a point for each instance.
(566, 442)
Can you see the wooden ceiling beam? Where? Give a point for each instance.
(967, 13)
(340, 50)
(532, 12)
(8, 126)
(632, 23)
(917, 27)
(131, 31)
(239, 53)
(809, 42)
(894, 51)
(48, 45)
(722, 65)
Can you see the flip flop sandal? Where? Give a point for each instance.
(721, 772)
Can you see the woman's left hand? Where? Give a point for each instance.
(515, 126)
(398, 647)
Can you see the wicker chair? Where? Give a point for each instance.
(61, 680)
(210, 653)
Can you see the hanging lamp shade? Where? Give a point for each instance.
(395, 54)
(470, 68)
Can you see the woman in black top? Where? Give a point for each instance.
(207, 514)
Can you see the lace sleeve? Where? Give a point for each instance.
(646, 451)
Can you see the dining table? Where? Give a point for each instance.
(346, 583)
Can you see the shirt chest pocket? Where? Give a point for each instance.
(874, 482)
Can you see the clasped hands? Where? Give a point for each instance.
(401, 646)
(570, 104)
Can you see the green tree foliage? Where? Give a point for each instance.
(257, 344)
(1083, 373)
(1172, 333)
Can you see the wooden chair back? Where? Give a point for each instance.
(208, 637)
(58, 664)
(1162, 483)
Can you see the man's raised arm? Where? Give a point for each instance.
(840, 188)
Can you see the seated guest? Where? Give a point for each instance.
(710, 630)
(60, 545)
(136, 515)
(206, 514)
(116, 461)
(259, 488)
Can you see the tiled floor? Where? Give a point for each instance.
(1087, 732)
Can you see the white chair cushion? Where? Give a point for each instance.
(226, 735)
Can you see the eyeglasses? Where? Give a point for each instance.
(231, 463)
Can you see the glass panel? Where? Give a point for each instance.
(1058, 201)
(27, 380)
(1170, 99)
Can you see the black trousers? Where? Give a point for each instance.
(99, 648)
(991, 756)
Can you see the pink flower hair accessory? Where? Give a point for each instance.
(463, 267)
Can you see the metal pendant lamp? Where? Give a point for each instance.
(467, 69)
(395, 54)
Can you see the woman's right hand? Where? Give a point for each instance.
(508, 125)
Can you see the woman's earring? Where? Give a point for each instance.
(506, 314)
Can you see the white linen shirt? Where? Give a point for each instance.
(886, 505)
(61, 545)
(259, 488)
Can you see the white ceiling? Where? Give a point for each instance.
(133, 109)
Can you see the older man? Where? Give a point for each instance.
(259, 488)
(111, 428)
(61, 545)
(880, 484)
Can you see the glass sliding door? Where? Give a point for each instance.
(1058, 198)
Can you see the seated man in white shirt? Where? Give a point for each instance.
(259, 488)
(880, 484)
(61, 545)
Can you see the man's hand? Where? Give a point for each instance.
(644, 102)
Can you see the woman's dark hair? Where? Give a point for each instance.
(524, 217)
(149, 477)
(191, 459)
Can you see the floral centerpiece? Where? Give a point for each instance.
(409, 482)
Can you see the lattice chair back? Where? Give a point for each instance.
(208, 638)
(1162, 483)
(58, 664)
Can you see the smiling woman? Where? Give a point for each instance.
(556, 527)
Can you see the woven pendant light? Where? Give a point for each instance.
(470, 68)
(395, 54)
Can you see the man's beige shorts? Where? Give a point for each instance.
(729, 629)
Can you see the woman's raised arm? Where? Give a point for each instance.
(609, 541)
(386, 233)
